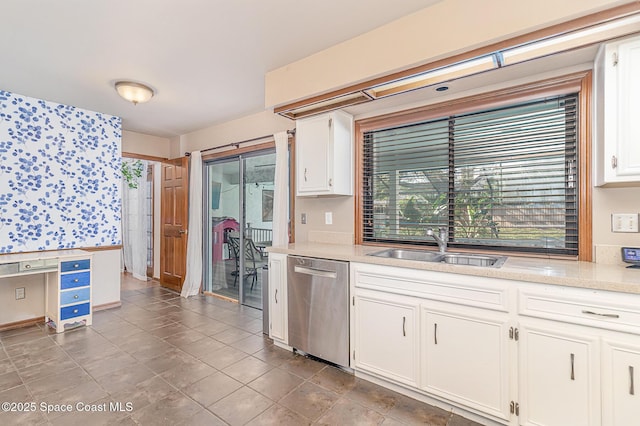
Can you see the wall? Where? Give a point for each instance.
(32, 306)
(60, 168)
(442, 30)
(605, 202)
(139, 143)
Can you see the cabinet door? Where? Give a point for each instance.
(628, 125)
(621, 381)
(559, 376)
(386, 340)
(277, 297)
(313, 143)
(465, 357)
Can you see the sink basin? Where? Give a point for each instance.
(421, 255)
(474, 259)
(470, 259)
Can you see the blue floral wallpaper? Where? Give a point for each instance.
(59, 176)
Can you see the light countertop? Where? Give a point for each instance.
(41, 255)
(545, 271)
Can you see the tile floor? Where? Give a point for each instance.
(169, 361)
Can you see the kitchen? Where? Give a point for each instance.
(334, 219)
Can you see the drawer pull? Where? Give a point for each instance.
(404, 326)
(76, 265)
(76, 296)
(435, 333)
(632, 390)
(601, 315)
(75, 280)
(75, 311)
(27, 266)
(573, 375)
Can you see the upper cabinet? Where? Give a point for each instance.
(617, 108)
(324, 155)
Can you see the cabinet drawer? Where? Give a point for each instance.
(75, 296)
(75, 265)
(75, 311)
(583, 307)
(81, 279)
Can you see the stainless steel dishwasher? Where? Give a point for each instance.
(318, 302)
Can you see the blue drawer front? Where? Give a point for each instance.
(74, 311)
(75, 296)
(75, 265)
(80, 279)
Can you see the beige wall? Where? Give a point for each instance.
(32, 306)
(139, 143)
(446, 28)
(251, 126)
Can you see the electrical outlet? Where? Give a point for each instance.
(20, 293)
(303, 218)
(624, 222)
(328, 218)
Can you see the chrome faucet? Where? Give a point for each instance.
(441, 240)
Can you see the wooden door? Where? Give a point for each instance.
(174, 216)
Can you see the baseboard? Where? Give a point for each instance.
(219, 296)
(107, 306)
(20, 324)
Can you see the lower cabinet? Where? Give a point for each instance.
(465, 356)
(278, 297)
(559, 372)
(386, 343)
(620, 380)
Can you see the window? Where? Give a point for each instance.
(503, 178)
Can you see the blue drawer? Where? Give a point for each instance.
(74, 311)
(80, 279)
(75, 296)
(75, 265)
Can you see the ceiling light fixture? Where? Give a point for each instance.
(134, 92)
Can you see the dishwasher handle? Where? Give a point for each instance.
(315, 272)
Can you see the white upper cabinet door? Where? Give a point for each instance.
(617, 96)
(324, 155)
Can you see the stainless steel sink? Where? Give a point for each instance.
(470, 259)
(474, 259)
(421, 255)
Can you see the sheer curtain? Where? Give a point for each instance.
(135, 209)
(281, 191)
(193, 277)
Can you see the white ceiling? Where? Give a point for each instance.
(205, 58)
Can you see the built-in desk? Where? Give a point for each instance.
(68, 283)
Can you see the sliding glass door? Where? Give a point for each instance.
(238, 225)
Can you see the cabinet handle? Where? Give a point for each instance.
(305, 174)
(573, 375)
(601, 315)
(27, 266)
(435, 333)
(75, 265)
(614, 162)
(330, 182)
(76, 296)
(404, 328)
(75, 311)
(75, 280)
(276, 295)
(632, 390)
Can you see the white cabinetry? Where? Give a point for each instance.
(559, 375)
(324, 155)
(278, 297)
(620, 380)
(466, 356)
(617, 111)
(385, 341)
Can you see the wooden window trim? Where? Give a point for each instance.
(577, 82)
(143, 157)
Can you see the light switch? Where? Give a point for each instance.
(624, 222)
(328, 218)
(303, 218)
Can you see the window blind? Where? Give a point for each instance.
(503, 178)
